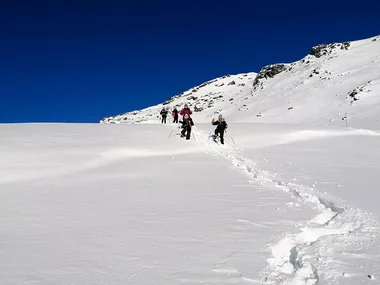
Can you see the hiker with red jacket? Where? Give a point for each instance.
(185, 111)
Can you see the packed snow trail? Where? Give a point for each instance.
(305, 258)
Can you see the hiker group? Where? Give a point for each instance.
(187, 122)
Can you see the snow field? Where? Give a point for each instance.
(129, 204)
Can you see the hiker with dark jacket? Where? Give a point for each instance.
(221, 127)
(163, 113)
(175, 115)
(186, 126)
(185, 111)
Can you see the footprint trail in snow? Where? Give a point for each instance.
(309, 256)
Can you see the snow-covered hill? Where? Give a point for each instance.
(331, 82)
(206, 99)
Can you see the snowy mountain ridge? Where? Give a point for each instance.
(205, 97)
(331, 81)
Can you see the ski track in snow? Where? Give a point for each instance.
(305, 257)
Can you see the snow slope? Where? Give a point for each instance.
(291, 198)
(136, 204)
(322, 88)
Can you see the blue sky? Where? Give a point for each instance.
(79, 61)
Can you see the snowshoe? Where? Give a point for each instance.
(215, 138)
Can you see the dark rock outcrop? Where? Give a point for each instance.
(269, 71)
(323, 49)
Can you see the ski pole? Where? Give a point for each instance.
(170, 134)
(230, 144)
(233, 141)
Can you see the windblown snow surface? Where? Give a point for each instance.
(291, 198)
